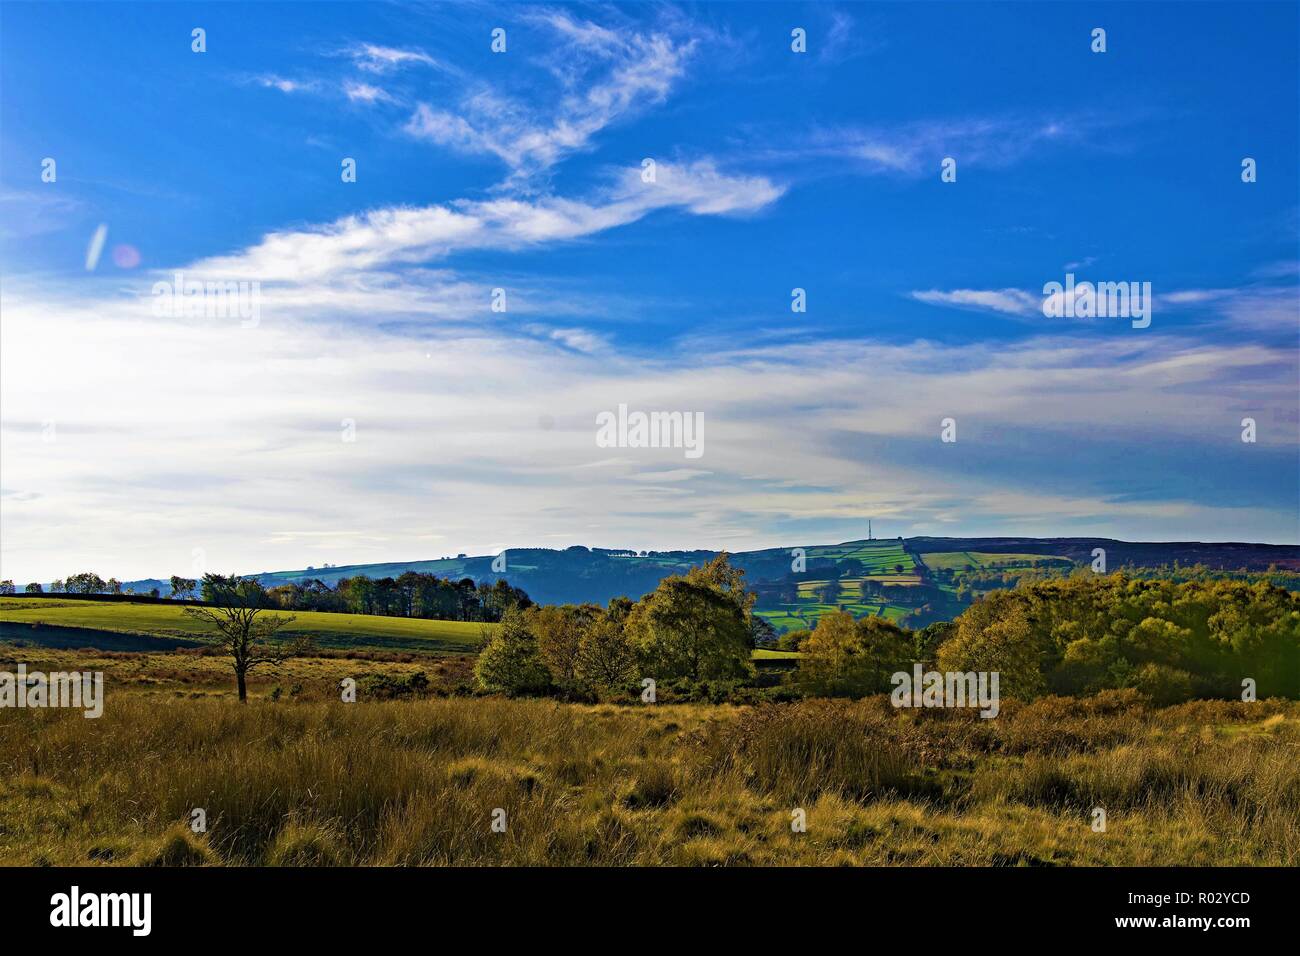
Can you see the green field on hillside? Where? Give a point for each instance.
(876, 557)
(883, 562)
(959, 560)
(168, 620)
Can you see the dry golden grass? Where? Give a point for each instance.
(415, 782)
(193, 674)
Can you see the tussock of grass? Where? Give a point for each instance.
(310, 844)
(177, 846)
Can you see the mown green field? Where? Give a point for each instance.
(955, 560)
(166, 620)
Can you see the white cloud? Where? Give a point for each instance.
(580, 340)
(1253, 307)
(365, 93)
(284, 84)
(1007, 301)
(392, 235)
(375, 58)
(606, 76)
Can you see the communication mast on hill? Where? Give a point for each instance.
(869, 536)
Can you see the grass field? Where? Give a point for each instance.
(329, 630)
(959, 560)
(301, 781)
(876, 557)
(195, 673)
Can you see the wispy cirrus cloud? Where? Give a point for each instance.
(377, 58)
(1260, 307)
(1016, 302)
(605, 75)
(917, 148)
(386, 236)
(25, 212)
(365, 92)
(273, 81)
(579, 340)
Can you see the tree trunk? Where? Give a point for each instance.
(243, 686)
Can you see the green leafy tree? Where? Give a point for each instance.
(847, 658)
(606, 661)
(34, 588)
(996, 634)
(729, 581)
(183, 587)
(511, 662)
(87, 582)
(793, 640)
(761, 632)
(691, 628)
(559, 630)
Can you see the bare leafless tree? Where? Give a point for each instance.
(243, 630)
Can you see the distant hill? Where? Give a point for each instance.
(906, 579)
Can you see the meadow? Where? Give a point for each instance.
(311, 781)
(959, 560)
(327, 629)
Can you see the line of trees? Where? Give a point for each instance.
(1172, 640)
(412, 594)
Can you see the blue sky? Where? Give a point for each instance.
(140, 444)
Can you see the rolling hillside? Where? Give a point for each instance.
(23, 618)
(917, 580)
